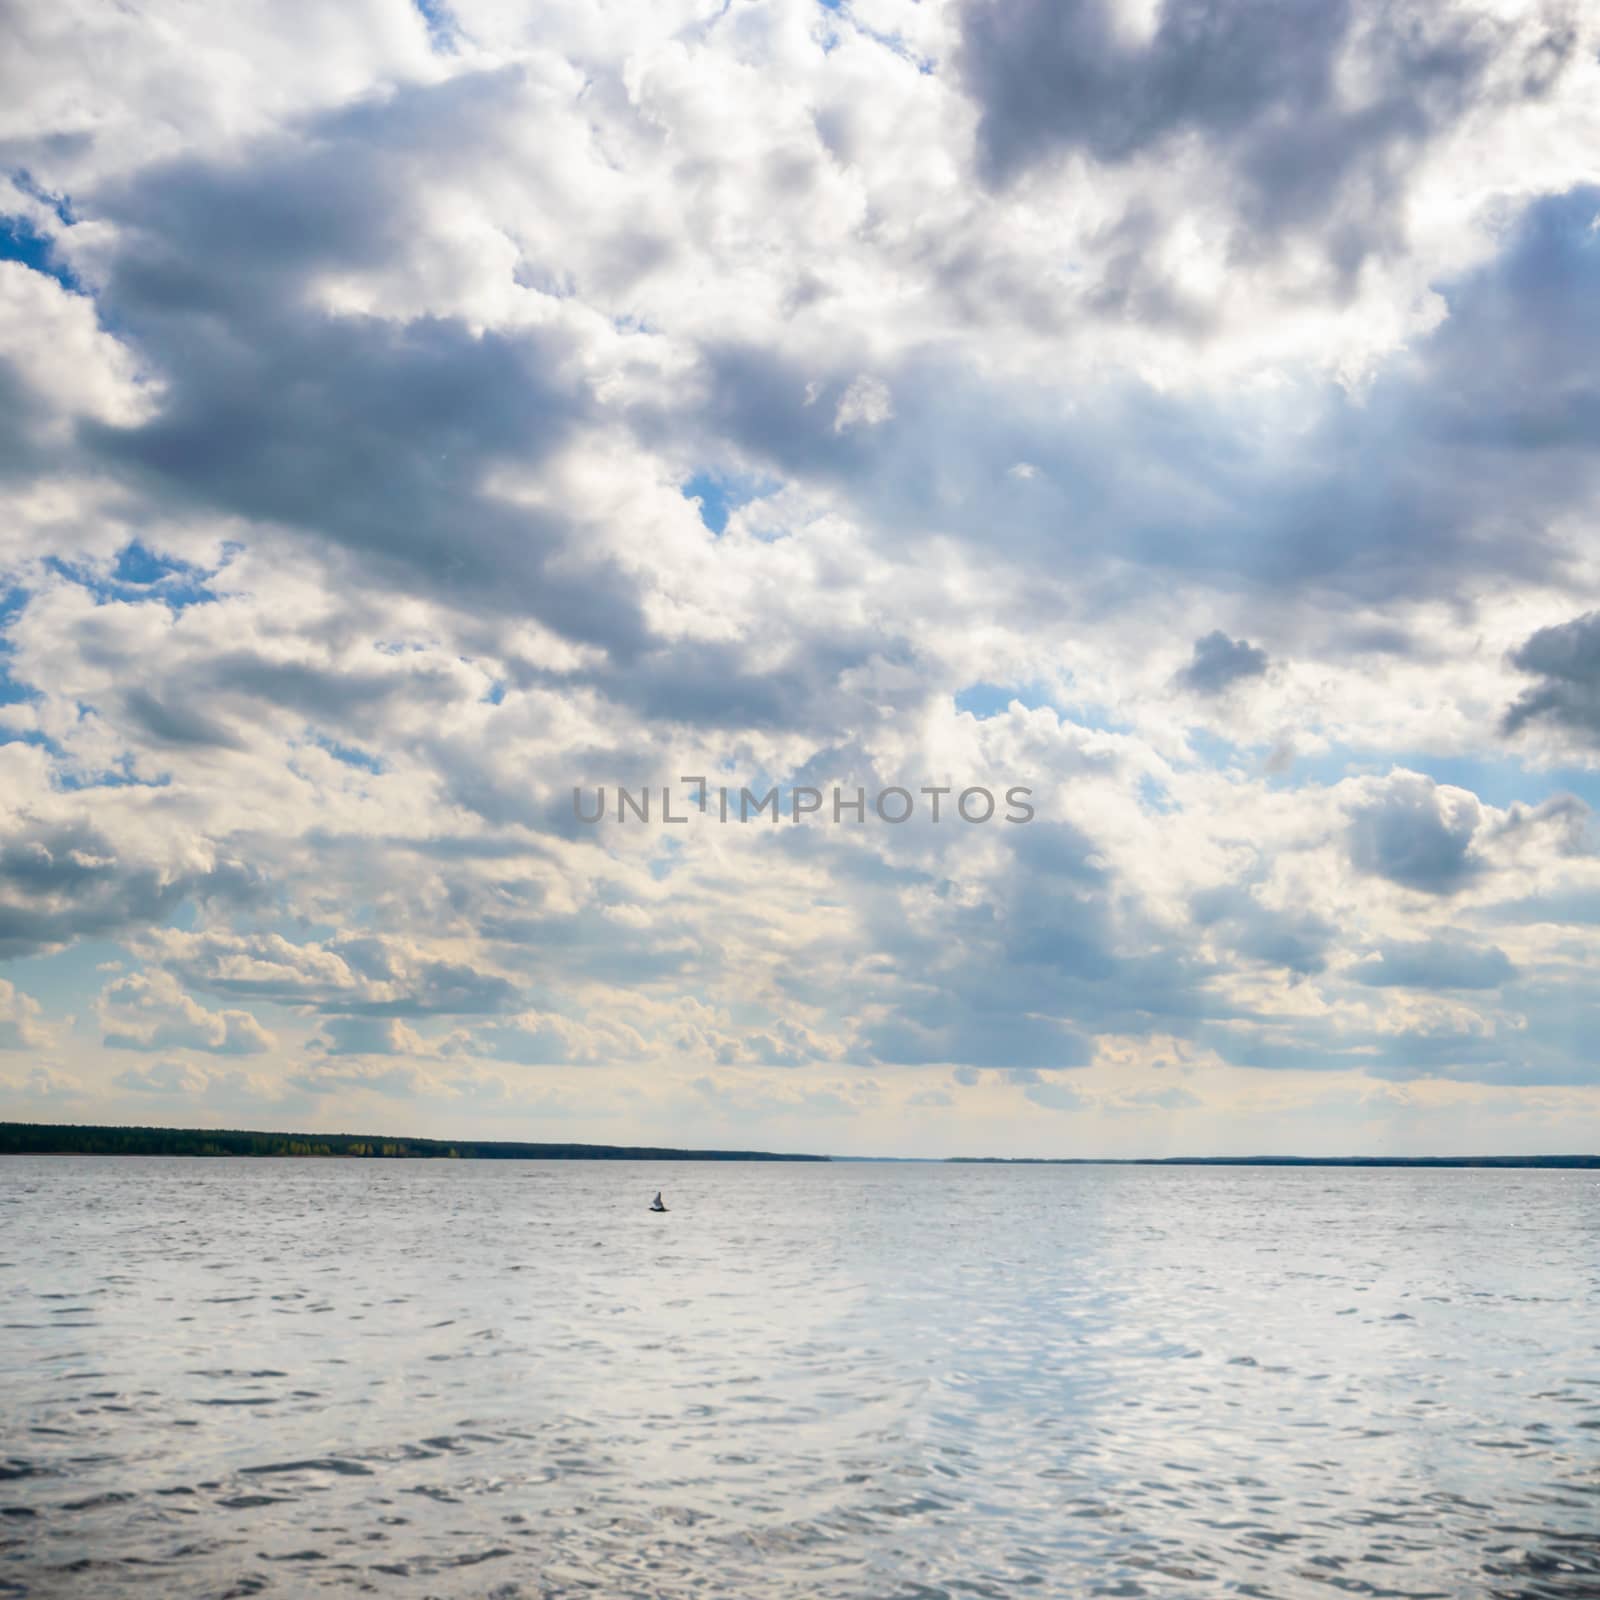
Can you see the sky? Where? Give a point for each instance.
(1188, 414)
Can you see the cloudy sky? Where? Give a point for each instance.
(1188, 412)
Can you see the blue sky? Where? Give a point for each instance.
(413, 414)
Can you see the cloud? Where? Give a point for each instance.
(1293, 938)
(1444, 467)
(392, 427)
(1566, 657)
(1259, 94)
(985, 1039)
(20, 1027)
(1173, 1099)
(1418, 834)
(396, 1083)
(1219, 662)
(1435, 964)
(173, 1079)
(354, 422)
(356, 975)
(44, 1084)
(149, 1011)
(1056, 1096)
(366, 1036)
(64, 879)
(865, 404)
(59, 367)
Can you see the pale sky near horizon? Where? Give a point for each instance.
(1187, 413)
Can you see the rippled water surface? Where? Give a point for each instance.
(805, 1382)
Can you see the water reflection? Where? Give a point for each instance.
(842, 1382)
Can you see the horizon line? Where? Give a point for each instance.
(63, 1138)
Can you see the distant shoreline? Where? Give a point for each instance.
(37, 1138)
(1580, 1162)
(65, 1139)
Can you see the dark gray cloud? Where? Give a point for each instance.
(1219, 661)
(368, 436)
(209, 705)
(1503, 1055)
(324, 694)
(25, 445)
(1415, 836)
(61, 882)
(1575, 907)
(954, 1032)
(1435, 964)
(1296, 940)
(1468, 1053)
(175, 720)
(1024, 980)
(587, 943)
(353, 976)
(351, 1036)
(433, 988)
(1051, 76)
(711, 684)
(1257, 83)
(1461, 462)
(1566, 658)
(541, 1044)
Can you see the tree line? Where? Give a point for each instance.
(36, 1138)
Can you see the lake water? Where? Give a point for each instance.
(844, 1382)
